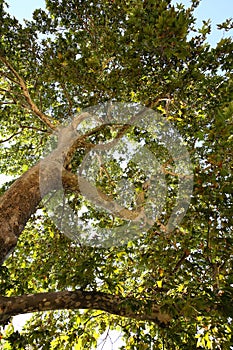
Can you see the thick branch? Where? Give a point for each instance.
(20, 201)
(114, 304)
(23, 197)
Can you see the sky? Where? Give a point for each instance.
(215, 10)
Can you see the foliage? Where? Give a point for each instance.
(76, 54)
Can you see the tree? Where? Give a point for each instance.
(169, 289)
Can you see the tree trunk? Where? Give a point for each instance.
(21, 200)
(16, 206)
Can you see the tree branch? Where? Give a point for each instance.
(10, 137)
(20, 201)
(33, 107)
(114, 304)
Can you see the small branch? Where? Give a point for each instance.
(9, 78)
(70, 103)
(5, 90)
(10, 137)
(7, 103)
(33, 107)
(182, 259)
(32, 127)
(19, 132)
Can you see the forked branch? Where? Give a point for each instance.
(31, 105)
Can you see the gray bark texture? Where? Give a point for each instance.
(114, 304)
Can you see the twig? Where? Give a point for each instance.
(9, 77)
(10, 137)
(68, 99)
(182, 259)
(32, 127)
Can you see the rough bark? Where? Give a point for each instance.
(21, 201)
(22, 198)
(16, 207)
(127, 307)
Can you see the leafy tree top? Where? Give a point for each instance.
(170, 291)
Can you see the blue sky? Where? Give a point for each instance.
(216, 10)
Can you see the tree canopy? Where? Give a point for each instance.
(162, 288)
